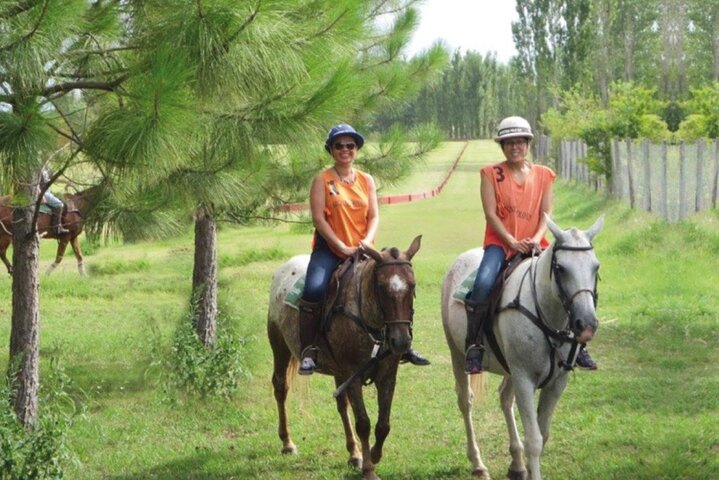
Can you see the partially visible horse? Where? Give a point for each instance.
(546, 308)
(362, 343)
(76, 208)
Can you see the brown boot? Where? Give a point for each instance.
(56, 221)
(309, 327)
(476, 313)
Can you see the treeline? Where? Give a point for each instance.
(593, 50)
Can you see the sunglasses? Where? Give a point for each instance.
(348, 146)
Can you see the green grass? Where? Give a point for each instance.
(648, 413)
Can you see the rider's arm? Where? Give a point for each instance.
(547, 199)
(372, 214)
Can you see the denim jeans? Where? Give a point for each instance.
(319, 271)
(493, 262)
(52, 200)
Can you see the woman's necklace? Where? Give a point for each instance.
(349, 179)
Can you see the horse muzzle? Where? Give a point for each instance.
(586, 334)
(399, 336)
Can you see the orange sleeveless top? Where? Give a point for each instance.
(519, 207)
(346, 207)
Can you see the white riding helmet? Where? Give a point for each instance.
(513, 127)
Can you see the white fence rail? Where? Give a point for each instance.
(672, 181)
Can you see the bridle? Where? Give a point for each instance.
(378, 336)
(555, 338)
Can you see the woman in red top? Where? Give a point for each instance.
(515, 196)
(345, 213)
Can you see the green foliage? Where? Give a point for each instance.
(189, 367)
(41, 451)
(703, 120)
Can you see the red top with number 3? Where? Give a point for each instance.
(519, 206)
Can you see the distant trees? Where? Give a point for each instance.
(588, 47)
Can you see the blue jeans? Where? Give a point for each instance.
(52, 200)
(493, 262)
(319, 271)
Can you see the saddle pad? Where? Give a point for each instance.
(463, 289)
(292, 298)
(44, 208)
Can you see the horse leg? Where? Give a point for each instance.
(548, 399)
(61, 246)
(355, 459)
(385, 385)
(4, 244)
(517, 469)
(524, 392)
(465, 399)
(362, 427)
(282, 357)
(75, 243)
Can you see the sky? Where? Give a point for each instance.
(481, 25)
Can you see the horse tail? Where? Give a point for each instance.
(292, 371)
(478, 385)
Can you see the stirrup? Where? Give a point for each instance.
(308, 364)
(473, 360)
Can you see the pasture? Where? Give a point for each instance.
(649, 412)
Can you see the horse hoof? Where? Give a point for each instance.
(481, 473)
(355, 462)
(517, 475)
(289, 450)
(376, 455)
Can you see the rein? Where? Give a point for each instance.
(555, 338)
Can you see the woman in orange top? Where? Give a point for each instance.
(515, 196)
(345, 213)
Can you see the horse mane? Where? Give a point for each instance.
(394, 252)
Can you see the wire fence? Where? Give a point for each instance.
(670, 180)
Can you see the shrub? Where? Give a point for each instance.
(41, 451)
(188, 366)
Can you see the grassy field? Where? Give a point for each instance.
(649, 412)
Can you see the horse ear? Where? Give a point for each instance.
(558, 233)
(594, 229)
(414, 247)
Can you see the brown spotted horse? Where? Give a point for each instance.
(364, 335)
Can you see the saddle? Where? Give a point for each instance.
(496, 295)
(340, 277)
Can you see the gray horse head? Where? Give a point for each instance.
(575, 269)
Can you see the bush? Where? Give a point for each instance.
(41, 451)
(187, 365)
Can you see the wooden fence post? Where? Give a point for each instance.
(699, 194)
(647, 190)
(630, 177)
(716, 173)
(664, 190)
(682, 183)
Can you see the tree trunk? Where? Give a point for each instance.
(204, 279)
(25, 333)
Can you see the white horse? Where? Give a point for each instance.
(546, 308)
